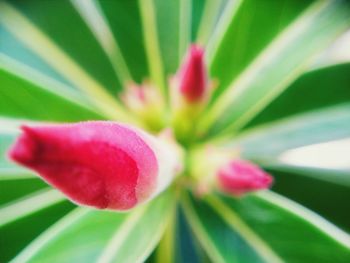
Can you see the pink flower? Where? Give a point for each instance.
(240, 176)
(101, 164)
(193, 76)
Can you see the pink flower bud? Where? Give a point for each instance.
(240, 176)
(193, 76)
(137, 97)
(146, 102)
(100, 164)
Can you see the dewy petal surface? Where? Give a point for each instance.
(240, 176)
(99, 164)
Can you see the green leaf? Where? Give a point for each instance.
(268, 141)
(123, 18)
(221, 242)
(276, 67)
(205, 17)
(187, 248)
(248, 29)
(152, 45)
(16, 235)
(316, 89)
(198, 7)
(178, 244)
(86, 235)
(18, 51)
(78, 43)
(339, 176)
(28, 205)
(20, 93)
(38, 39)
(324, 197)
(173, 31)
(15, 174)
(268, 226)
(16, 186)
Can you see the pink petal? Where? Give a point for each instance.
(99, 164)
(193, 75)
(240, 177)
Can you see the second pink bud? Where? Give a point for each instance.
(239, 177)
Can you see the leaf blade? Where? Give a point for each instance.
(18, 93)
(93, 240)
(267, 77)
(268, 141)
(28, 205)
(48, 50)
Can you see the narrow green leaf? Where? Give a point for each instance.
(18, 234)
(45, 47)
(339, 176)
(166, 246)
(18, 93)
(275, 68)
(15, 174)
(244, 31)
(178, 244)
(209, 16)
(173, 30)
(233, 220)
(28, 205)
(293, 232)
(221, 29)
(45, 80)
(151, 41)
(186, 247)
(18, 51)
(86, 235)
(322, 196)
(124, 21)
(78, 43)
(196, 17)
(95, 19)
(221, 243)
(316, 89)
(120, 15)
(185, 19)
(16, 187)
(268, 141)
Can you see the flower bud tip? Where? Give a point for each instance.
(26, 147)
